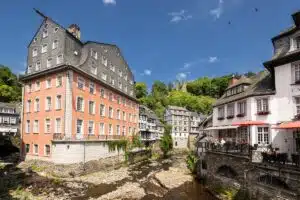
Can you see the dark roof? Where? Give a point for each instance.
(283, 59)
(261, 84)
(242, 80)
(77, 69)
(148, 112)
(292, 29)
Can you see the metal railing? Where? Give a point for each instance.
(229, 148)
(63, 137)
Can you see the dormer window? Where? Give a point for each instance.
(46, 25)
(94, 54)
(56, 29)
(120, 84)
(37, 66)
(104, 61)
(34, 52)
(45, 33)
(103, 76)
(93, 68)
(125, 77)
(59, 59)
(44, 48)
(55, 44)
(112, 68)
(34, 39)
(49, 62)
(29, 70)
(120, 73)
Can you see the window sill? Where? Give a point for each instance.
(57, 109)
(35, 133)
(263, 113)
(47, 110)
(221, 118)
(230, 117)
(80, 111)
(240, 115)
(58, 86)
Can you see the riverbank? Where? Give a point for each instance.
(151, 179)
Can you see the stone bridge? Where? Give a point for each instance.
(237, 170)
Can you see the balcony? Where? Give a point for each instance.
(63, 137)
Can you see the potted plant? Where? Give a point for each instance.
(263, 112)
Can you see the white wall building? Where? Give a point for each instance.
(263, 110)
(184, 123)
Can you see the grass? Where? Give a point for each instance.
(56, 181)
(22, 194)
(37, 168)
(155, 156)
(2, 166)
(226, 192)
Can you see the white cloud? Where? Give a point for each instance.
(188, 65)
(109, 2)
(179, 16)
(182, 76)
(146, 72)
(212, 59)
(218, 11)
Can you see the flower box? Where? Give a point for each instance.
(230, 117)
(220, 118)
(263, 113)
(241, 115)
(297, 117)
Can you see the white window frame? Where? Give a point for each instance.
(55, 44)
(262, 134)
(81, 127)
(101, 128)
(47, 122)
(92, 86)
(48, 83)
(36, 150)
(38, 65)
(58, 102)
(242, 107)
(49, 62)
(92, 112)
(102, 114)
(44, 48)
(36, 126)
(94, 68)
(28, 106)
(110, 112)
(94, 54)
(48, 103)
(37, 105)
(296, 72)
(110, 129)
(45, 150)
(297, 105)
(82, 106)
(92, 127)
(27, 128)
(118, 129)
(230, 109)
(104, 76)
(45, 33)
(59, 80)
(80, 82)
(59, 59)
(262, 104)
(34, 52)
(58, 128)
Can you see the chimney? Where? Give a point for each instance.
(296, 18)
(232, 81)
(75, 30)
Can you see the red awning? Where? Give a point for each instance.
(249, 123)
(289, 125)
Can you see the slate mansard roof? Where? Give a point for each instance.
(77, 55)
(261, 84)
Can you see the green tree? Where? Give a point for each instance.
(141, 90)
(159, 89)
(10, 88)
(191, 162)
(166, 143)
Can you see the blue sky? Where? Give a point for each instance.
(160, 39)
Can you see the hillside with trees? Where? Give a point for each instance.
(197, 95)
(10, 88)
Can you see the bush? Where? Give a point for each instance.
(191, 162)
(166, 142)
